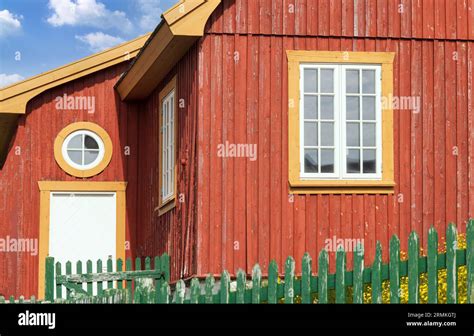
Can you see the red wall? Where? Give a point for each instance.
(173, 232)
(246, 101)
(37, 130)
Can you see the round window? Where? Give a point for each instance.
(83, 150)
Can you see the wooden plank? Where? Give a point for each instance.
(440, 19)
(462, 134)
(451, 266)
(289, 280)
(306, 279)
(209, 288)
(225, 287)
(110, 283)
(413, 271)
(432, 266)
(394, 270)
(256, 284)
(241, 282)
(272, 282)
(180, 292)
(340, 275)
(59, 289)
(68, 272)
(89, 271)
(357, 274)
(439, 194)
(377, 275)
(323, 277)
(49, 279)
(100, 284)
(195, 291)
(450, 131)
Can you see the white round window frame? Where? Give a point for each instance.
(91, 165)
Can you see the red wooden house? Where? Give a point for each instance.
(244, 131)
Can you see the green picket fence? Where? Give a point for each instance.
(80, 285)
(151, 285)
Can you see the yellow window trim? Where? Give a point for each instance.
(300, 186)
(58, 144)
(169, 204)
(46, 187)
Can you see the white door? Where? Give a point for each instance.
(82, 227)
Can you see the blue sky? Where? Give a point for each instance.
(40, 35)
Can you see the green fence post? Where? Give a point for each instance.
(241, 281)
(89, 271)
(470, 261)
(357, 275)
(451, 267)
(394, 268)
(413, 270)
(323, 262)
(165, 266)
(68, 272)
(164, 293)
(180, 292)
(340, 275)
(289, 280)
(256, 283)
(129, 284)
(59, 287)
(272, 282)
(100, 284)
(49, 279)
(209, 288)
(225, 284)
(119, 269)
(195, 291)
(306, 279)
(110, 284)
(432, 266)
(79, 270)
(377, 275)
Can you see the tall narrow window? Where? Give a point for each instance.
(168, 148)
(168, 121)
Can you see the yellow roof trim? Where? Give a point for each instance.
(14, 98)
(183, 24)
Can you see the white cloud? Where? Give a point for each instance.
(86, 13)
(151, 14)
(6, 80)
(99, 41)
(9, 23)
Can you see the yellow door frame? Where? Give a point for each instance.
(46, 187)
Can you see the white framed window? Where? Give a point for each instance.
(340, 121)
(83, 150)
(168, 147)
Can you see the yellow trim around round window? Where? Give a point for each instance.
(83, 126)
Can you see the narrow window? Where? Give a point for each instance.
(168, 148)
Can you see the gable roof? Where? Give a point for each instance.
(181, 27)
(155, 54)
(14, 98)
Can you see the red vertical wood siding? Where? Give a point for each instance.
(175, 231)
(433, 42)
(31, 159)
